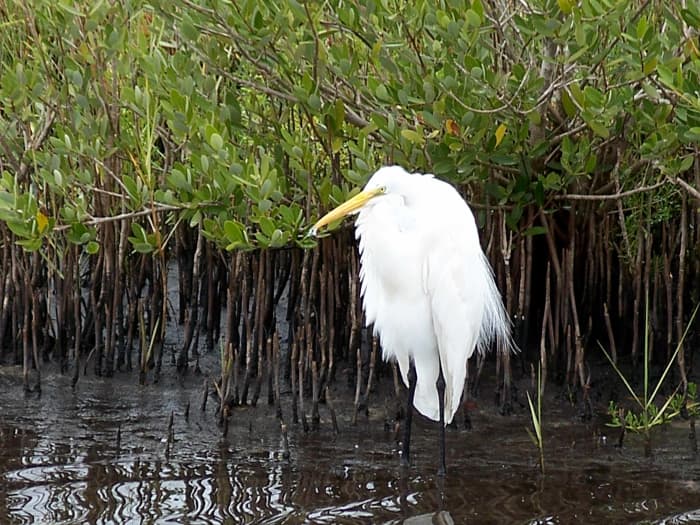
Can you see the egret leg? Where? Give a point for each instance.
(412, 379)
(440, 385)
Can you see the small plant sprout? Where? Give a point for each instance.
(649, 414)
(536, 418)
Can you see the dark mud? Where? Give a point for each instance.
(105, 454)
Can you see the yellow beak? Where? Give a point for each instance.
(349, 206)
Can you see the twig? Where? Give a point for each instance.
(613, 196)
(687, 187)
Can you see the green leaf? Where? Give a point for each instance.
(473, 18)
(314, 102)
(535, 230)
(665, 75)
(92, 247)
(266, 226)
(413, 136)
(642, 27)
(381, 92)
(577, 94)
(565, 6)
(568, 104)
(188, 30)
(686, 163)
(233, 231)
(216, 141)
(31, 245)
(598, 128)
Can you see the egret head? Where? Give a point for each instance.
(385, 181)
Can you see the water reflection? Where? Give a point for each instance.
(70, 489)
(60, 463)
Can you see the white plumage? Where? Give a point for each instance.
(426, 283)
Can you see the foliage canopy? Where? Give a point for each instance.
(245, 118)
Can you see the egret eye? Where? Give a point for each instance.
(382, 189)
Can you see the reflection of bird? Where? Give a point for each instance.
(426, 285)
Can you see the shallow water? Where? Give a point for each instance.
(61, 462)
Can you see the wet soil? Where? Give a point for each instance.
(101, 454)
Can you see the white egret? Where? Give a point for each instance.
(426, 285)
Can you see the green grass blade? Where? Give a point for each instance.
(675, 353)
(622, 376)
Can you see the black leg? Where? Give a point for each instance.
(440, 384)
(405, 450)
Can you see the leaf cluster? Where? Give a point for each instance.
(247, 118)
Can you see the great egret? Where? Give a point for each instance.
(426, 285)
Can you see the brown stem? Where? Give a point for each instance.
(637, 295)
(192, 307)
(546, 318)
(680, 291)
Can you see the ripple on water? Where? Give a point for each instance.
(691, 516)
(59, 464)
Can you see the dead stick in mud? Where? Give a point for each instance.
(259, 337)
(269, 371)
(370, 377)
(5, 284)
(77, 333)
(525, 258)
(355, 315)
(680, 291)
(395, 376)
(693, 436)
(294, 380)
(192, 310)
(143, 344)
(285, 441)
(506, 254)
(333, 300)
(611, 336)
(26, 352)
(276, 365)
(232, 320)
(208, 315)
(546, 318)
(205, 395)
(35, 336)
(269, 321)
(304, 422)
(97, 286)
(109, 285)
(170, 435)
(358, 386)
(225, 418)
(310, 336)
(117, 305)
(638, 262)
(668, 285)
(646, 279)
(315, 417)
(331, 409)
(247, 326)
(325, 320)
